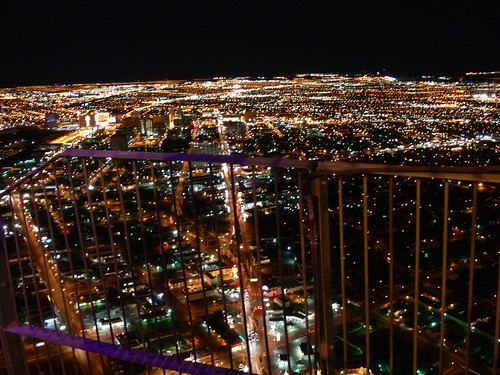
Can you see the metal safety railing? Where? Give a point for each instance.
(140, 262)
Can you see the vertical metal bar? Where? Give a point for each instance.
(12, 347)
(44, 268)
(82, 254)
(183, 265)
(444, 273)
(200, 261)
(314, 240)
(96, 243)
(127, 246)
(54, 251)
(68, 247)
(323, 278)
(145, 246)
(472, 264)
(366, 275)
(391, 275)
(304, 270)
(163, 258)
(280, 264)
(342, 269)
(113, 251)
(417, 276)
(21, 272)
(18, 254)
(7, 272)
(312, 214)
(34, 258)
(219, 258)
(29, 245)
(497, 325)
(240, 270)
(11, 343)
(259, 275)
(80, 239)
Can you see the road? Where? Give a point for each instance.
(53, 279)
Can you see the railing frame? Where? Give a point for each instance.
(320, 246)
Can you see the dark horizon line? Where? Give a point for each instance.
(381, 72)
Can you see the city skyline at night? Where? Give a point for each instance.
(272, 225)
(260, 188)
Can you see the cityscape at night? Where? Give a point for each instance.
(260, 188)
(214, 261)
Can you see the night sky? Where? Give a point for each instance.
(48, 42)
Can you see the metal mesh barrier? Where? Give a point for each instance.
(129, 262)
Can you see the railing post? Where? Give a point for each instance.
(323, 276)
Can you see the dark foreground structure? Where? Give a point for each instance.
(139, 262)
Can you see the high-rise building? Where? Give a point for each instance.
(51, 120)
(120, 140)
(146, 126)
(235, 129)
(102, 118)
(209, 148)
(87, 120)
(132, 121)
